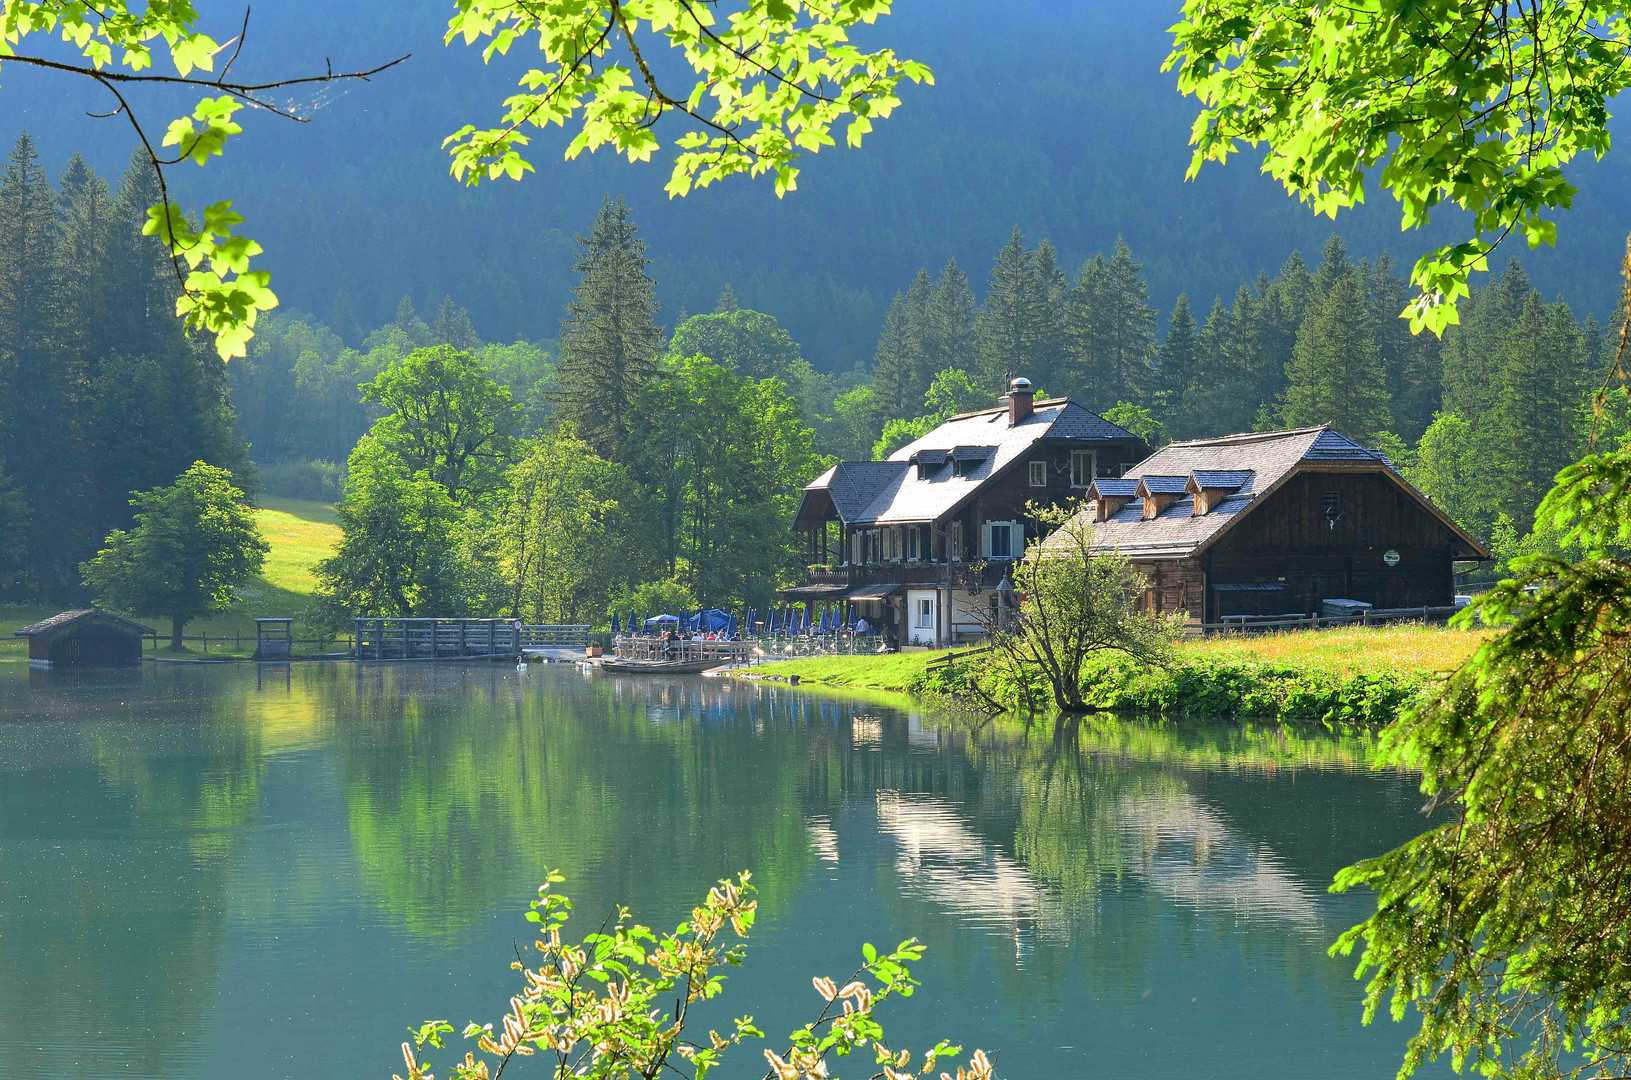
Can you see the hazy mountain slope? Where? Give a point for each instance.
(1053, 116)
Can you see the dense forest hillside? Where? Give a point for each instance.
(1047, 115)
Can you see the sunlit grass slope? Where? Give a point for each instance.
(301, 534)
(1401, 648)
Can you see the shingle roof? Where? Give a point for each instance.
(1222, 479)
(65, 617)
(892, 492)
(1112, 486)
(1263, 459)
(1165, 485)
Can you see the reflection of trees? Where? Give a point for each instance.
(462, 792)
(111, 943)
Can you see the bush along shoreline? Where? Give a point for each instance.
(1204, 688)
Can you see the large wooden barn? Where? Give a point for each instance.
(1279, 522)
(87, 637)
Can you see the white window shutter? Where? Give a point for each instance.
(985, 540)
(1016, 546)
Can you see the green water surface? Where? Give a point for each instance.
(270, 872)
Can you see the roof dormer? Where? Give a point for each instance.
(1160, 492)
(1212, 486)
(1111, 495)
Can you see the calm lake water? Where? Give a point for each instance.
(232, 871)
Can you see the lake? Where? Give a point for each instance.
(272, 871)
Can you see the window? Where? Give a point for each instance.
(1333, 507)
(1004, 540)
(1039, 474)
(925, 613)
(1081, 468)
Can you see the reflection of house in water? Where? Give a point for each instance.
(823, 839)
(1193, 856)
(943, 861)
(1181, 849)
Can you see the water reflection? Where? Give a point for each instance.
(256, 871)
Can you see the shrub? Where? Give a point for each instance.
(616, 1006)
(321, 481)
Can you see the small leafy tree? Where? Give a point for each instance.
(1138, 420)
(618, 1005)
(1507, 925)
(1073, 602)
(399, 551)
(446, 417)
(192, 543)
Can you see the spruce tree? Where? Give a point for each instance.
(1410, 360)
(453, 327)
(1195, 412)
(1002, 331)
(1469, 365)
(1336, 375)
(1532, 430)
(1048, 335)
(894, 379)
(919, 369)
(949, 342)
(610, 338)
(1129, 349)
(1087, 310)
(726, 302)
(1177, 365)
(40, 431)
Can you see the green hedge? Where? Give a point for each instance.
(1224, 689)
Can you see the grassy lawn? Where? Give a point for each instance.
(891, 671)
(300, 532)
(1404, 648)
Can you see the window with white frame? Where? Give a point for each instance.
(1003, 540)
(1039, 474)
(925, 613)
(1081, 468)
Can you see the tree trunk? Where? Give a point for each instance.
(176, 626)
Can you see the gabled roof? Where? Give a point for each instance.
(1260, 462)
(1114, 486)
(1163, 485)
(919, 482)
(63, 619)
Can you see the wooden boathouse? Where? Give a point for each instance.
(1277, 523)
(85, 637)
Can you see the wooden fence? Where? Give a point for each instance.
(238, 643)
(1260, 624)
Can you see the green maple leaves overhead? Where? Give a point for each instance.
(221, 295)
(772, 82)
(1467, 102)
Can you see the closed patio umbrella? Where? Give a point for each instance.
(614, 624)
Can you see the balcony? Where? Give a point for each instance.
(829, 580)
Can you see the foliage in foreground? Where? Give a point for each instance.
(602, 1008)
(1509, 927)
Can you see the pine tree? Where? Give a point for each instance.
(1469, 366)
(919, 371)
(1177, 366)
(412, 326)
(726, 302)
(1295, 287)
(1002, 330)
(610, 337)
(949, 342)
(39, 430)
(1087, 310)
(1532, 431)
(1336, 375)
(1047, 337)
(894, 380)
(1129, 350)
(453, 327)
(87, 216)
(1196, 413)
(1410, 360)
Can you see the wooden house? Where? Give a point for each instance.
(1278, 522)
(86, 637)
(922, 540)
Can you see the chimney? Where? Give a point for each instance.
(1019, 400)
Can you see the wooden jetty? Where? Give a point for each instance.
(656, 656)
